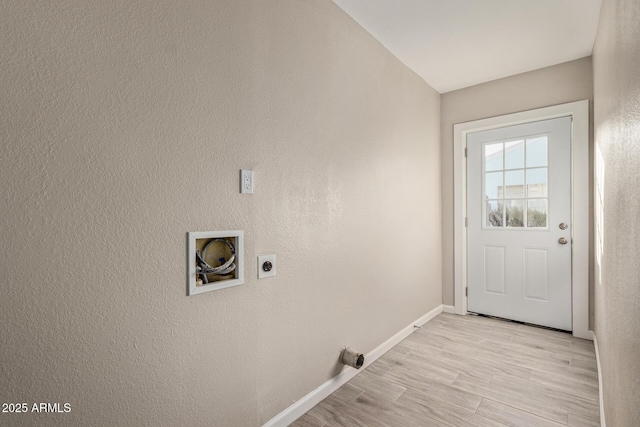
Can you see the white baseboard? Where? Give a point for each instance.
(303, 405)
(448, 309)
(600, 391)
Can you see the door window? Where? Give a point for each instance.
(516, 185)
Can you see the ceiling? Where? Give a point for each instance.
(453, 44)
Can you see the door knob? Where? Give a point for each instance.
(563, 241)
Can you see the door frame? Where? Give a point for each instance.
(579, 112)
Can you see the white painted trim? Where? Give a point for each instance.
(600, 391)
(581, 233)
(303, 405)
(459, 219)
(579, 111)
(448, 309)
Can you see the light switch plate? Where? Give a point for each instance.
(262, 259)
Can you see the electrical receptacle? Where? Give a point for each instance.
(246, 181)
(266, 266)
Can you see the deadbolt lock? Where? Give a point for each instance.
(563, 226)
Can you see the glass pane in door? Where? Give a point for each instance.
(514, 184)
(494, 213)
(514, 155)
(537, 182)
(537, 211)
(515, 213)
(493, 156)
(537, 152)
(493, 185)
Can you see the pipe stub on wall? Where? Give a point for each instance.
(352, 358)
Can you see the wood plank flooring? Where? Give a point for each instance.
(470, 371)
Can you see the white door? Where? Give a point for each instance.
(519, 222)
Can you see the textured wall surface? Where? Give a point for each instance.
(559, 84)
(124, 125)
(616, 65)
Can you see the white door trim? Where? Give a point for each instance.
(579, 111)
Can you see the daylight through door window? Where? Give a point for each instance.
(516, 183)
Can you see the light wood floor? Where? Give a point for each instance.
(470, 371)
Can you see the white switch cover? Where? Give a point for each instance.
(246, 181)
(266, 270)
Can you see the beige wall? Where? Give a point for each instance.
(616, 61)
(567, 82)
(124, 125)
